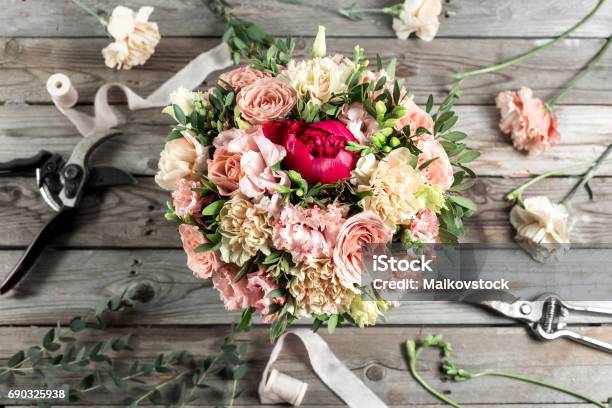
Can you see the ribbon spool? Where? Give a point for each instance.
(61, 90)
(284, 388)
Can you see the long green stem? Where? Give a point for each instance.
(553, 101)
(588, 176)
(353, 11)
(524, 56)
(159, 387)
(540, 383)
(200, 380)
(91, 11)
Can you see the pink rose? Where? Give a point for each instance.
(225, 172)
(415, 117)
(440, 171)
(359, 122)
(235, 295)
(241, 77)
(185, 200)
(264, 100)
(260, 284)
(529, 122)
(315, 150)
(363, 228)
(308, 233)
(425, 226)
(202, 264)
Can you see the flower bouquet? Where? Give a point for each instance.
(285, 168)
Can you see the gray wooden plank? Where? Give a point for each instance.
(383, 368)
(28, 62)
(132, 216)
(585, 131)
(465, 18)
(66, 283)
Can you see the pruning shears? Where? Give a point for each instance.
(546, 316)
(62, 185)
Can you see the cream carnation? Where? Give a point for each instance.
(135, 38)
(394, 184)
(317, 289)
(244, 229)
(364, 169)
(319, 77)
(182, 158)
(365, 312)
(540, 221)
(265, 100)
(420, 16)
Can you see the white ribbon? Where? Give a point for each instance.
(64, 95)
(276, 387)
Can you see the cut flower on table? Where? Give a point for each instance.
(286, 168)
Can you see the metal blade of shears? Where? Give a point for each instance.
(506, 304)
(106, 176)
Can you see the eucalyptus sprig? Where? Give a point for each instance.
(437, 342)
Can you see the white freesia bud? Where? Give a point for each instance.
(319, 48)
(182, 97)
(541, 226)
(364, 169)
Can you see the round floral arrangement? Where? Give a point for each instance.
(285, 168)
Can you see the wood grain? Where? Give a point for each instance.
(66, 283)
(585, 131)
(132, 216)
(26, 63)
(465, 18)
(383, 368)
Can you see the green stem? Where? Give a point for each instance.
(91, 11)
(588, 176)
(524, 56)
(517, 193)
(234, 386)
(540, 383)
(351, 12)
(200, 381)
(553, 101)
(159, 387)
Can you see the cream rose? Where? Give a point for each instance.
(420, 17)
(265, 100)
(364, 169)
(135, 37)
(241, 77)
(182, 158)
(184, 98)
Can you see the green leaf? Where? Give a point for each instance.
(77, 324)
(180, 115)
(207, 247)
(464, 202)
(391, 69)
(87, 382)
(430, 102)
(214, 208)
(245, 319)
(239, 372)
(332, 323)
(176, 133)
(468, 157)
(275, 293)
(16, 359)
(316, 325)
(155, 397)
(454, 136)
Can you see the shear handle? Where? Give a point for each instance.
(54, 226)
(24, 164)
(577, 337)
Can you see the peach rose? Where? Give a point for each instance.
(185, 200)
(241, 77)
(439, 172)
(202, 264)
(529, 122)
(415, 117)
(265, 100)
(363, 228)
(181, 158)
(225, 172)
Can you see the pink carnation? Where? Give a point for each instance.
(241, 77)
(440, 171)
(425, 226)
(235, 295)
(202, 264)
(529, 122)
(308, 233)
(359, 122)
(415, 117)
(259, 285)
(185, 200)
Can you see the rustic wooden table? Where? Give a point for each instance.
(122, 240)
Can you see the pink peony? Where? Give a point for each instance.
(225, 172)
(185, 200)
(440, 171)
(202, 264)
(315, 150)
(425, 226)
(529, 122)
(359, 122)
(241, 77)
(260, 284)
(308, 233)
(415, 117)
(235, 295)
(363, 228)
(265, 100)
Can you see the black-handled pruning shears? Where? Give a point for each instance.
(62, 185)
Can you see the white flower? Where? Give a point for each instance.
(542, 228)
(319, 48)
(135, 37)
(321, 77)
(184, 98)
(420, 16)
(182, 158)
(364, 169)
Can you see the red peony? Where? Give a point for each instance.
(315, 150)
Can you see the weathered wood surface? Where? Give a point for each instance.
(383, 368)
(132, 216)
(26, 63)
(66, 283)
(585, 131)
(460, 18)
